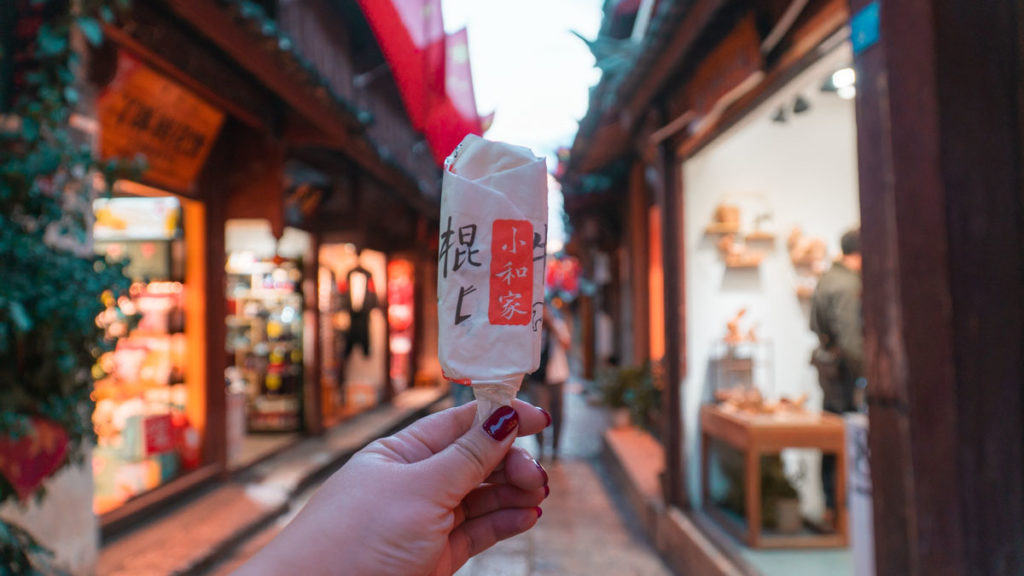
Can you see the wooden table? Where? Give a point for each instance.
(757, 434)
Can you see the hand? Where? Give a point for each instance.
(420, 502)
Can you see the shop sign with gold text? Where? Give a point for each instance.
(143, 112)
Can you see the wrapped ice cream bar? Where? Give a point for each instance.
(490, 277)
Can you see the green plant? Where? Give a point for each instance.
(53, 284)
(638, 388)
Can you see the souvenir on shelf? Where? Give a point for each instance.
(809, 258)
(740, 358)
(750, 401)
(733, 335)
(726, 219)
(761, 233)
(738, 254)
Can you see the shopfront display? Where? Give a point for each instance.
(354, 329)
(756, 240)
(145, 437)
(401, 316)
(265, 338)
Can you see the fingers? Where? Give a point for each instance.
(520, 470)
(471, 457)
(492, 497)
(479, 534)
(431, 435)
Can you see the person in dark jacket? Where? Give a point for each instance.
(836, 319)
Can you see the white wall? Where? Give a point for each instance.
(805, 172)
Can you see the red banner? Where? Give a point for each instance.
(456, 114)
(411, 36)
(511, 296)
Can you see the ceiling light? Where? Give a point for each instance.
(801, 105)
(847, 92)
(844, 77)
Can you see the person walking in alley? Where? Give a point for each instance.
(420, 502)
(546, 386)
(836, 319)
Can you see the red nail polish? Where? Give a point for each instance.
(542, 471)
(539, 511)
(501, 423)
(546, 415)
(547, 490)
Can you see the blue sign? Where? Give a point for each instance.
(864, 26)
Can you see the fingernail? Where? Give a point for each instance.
(542, 471)
(546, 415)
(501, 423)
(539, 511)
(547, 490)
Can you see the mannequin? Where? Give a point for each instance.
(359, 298)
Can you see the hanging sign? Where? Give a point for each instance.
(143, 113)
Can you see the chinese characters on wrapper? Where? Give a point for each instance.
(490, 268)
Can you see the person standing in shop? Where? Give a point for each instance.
(836, 319)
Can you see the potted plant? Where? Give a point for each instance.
(613, 389)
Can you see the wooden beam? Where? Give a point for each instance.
(700, 14)
(218, 25)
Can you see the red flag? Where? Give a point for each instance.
(456, 115)
(411, 36)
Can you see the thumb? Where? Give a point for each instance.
(471, 458)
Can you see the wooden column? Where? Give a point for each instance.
(637, 250)
(670, 198)
(312, 400)
(214, 285)
(939, 112)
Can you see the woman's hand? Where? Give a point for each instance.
(420, 502)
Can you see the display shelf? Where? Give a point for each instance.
(722, 228)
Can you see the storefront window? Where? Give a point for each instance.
(354, 330)
(264, 344)
(144, 435)
(766, 204)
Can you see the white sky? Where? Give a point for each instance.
(530, 71)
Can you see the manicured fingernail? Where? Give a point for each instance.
(542, 471)
(546, 415)
(539, 511)
(501, 423)
(547, 490)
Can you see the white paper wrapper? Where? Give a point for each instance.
(490, 280)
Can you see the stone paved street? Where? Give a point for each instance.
(583, 530)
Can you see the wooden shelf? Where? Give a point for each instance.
(722, 228)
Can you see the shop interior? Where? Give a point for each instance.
(265, 338)
(149, 393)
(765, 206)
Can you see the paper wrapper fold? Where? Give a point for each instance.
(490, 280)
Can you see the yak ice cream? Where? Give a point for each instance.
(490, 277)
